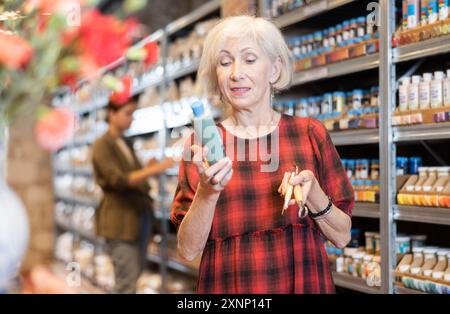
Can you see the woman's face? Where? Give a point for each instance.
(123, 117)
(244, 74)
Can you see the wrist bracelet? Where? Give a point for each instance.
(323, 212)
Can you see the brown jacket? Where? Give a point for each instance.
(117, 217)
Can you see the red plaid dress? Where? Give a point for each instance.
(252, 248)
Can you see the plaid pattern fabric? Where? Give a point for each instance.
(252, 248)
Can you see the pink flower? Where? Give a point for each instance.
(15, 52)
(55, 127)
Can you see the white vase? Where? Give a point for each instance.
(14, 230)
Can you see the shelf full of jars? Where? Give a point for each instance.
(161, 124)
(341, 79)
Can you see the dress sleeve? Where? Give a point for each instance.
(188, 179)
(332, 176)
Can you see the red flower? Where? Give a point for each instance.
(152, 50)
(122, 96)
(15, 52)
(103, 37)
(55, 127)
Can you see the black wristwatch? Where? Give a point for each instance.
(323, 212)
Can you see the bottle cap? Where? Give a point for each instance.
(427, 77)
(416, 79)
(439, 75)
(198, 108)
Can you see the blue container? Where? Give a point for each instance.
(402, 165)
(414, 164)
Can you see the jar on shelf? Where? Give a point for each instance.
(414, 164)
(375, 169)
(348, 259)
(402, 166)
(357, 264)
(357, 98)
(370, 242)
(377, 244)
(402, 244)
(418, 240)
(364, 172)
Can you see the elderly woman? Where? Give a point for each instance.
(231, 211)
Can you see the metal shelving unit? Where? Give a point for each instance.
(337, 69)
(428, 48)
(355, 137)
(353, 283)
(366, 210)
(308, 11)
(432, 215)
(422, 132)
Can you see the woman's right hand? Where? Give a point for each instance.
(213, 179)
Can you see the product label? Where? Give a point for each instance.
(436, 94)
(446, 92)
(444, 9)
(413, 98)
(424, 96)
(433, 11)
(412, 18)
(403, 98)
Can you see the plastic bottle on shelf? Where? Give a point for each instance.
(424, 91)
(444, 9)
(423, 12)
(433, 11)
(405, 8)
(414, 164)
(339, 260)
(437, 99)
(413, 93)
(357, 98)
(446, 90)
(413, 13)
(403, 94)
(361, 27)
(339, 34)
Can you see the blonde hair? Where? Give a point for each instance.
(265, 34)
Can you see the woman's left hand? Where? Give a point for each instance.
(305, 179)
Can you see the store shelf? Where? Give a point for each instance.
(337, 69)
(423, 49)
(308, 11)
(355, 137)
(174, 264)
(422, 132)
(204, 10)
(84, 234)
(99, 103)
(353, 283)
(185, 70)
(77, 200)
(433, 215)
(399, 289)
(366, 210)
(78, 171)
